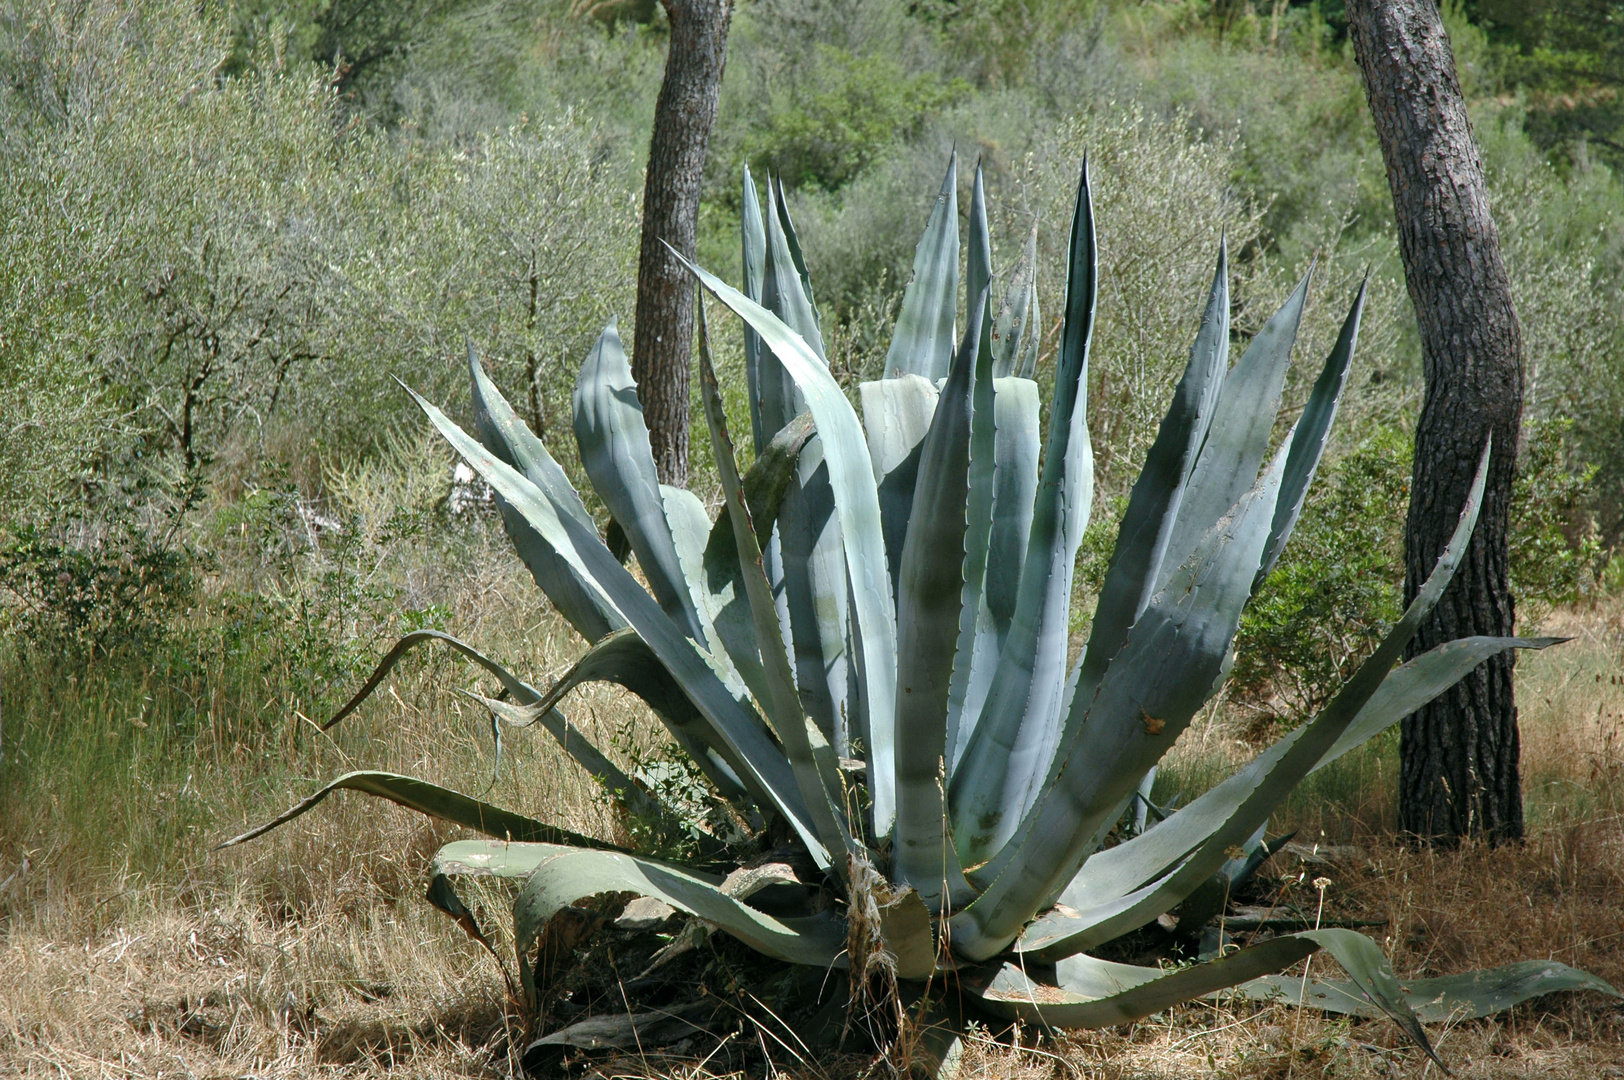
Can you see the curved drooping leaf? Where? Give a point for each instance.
(1099, 993)
(1163, 674)
(560, 878)
(616, 454)
(922, 343)
(896, 414)
(1238, 437)
(1313, 428)
(988, 788)
(1096, 993)
(506, 437)
(575, 744)
(851, 477)
(1261, 789)
(436, 802)
(817, 774)
(1015, 330)
(929, 603)
(1444, 999)
(626, 660)
(761, 767)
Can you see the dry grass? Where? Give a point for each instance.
(128, 948)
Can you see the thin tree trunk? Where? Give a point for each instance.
(1458, 756)
(683, 117)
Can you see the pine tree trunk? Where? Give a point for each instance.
(683, 117)
(1458, 756)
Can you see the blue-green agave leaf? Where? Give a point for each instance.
(512, 442)
(851, 477)
(1095, 993)
(436, 802)
(978, 266)
(1238, 437)
(1164, 673)
(1058, 934)
(753, 241)
(989, 785)
(922, 343)
(1313, 428)
(626, 660)
(1099, 993)
(819, 780)
(576, 744)
(615, 452)
(560, 878)
(1146, 532)
(1444, 999)
(764, 772)
(896, 414)
(1015, 329)
(1129, 885)
(929, 605)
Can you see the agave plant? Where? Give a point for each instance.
(867, 651)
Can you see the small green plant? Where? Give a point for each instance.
(866, 653)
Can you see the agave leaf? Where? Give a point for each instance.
(1095, 993)
(990, 601)
(1244, 802)
(626, 660)
(1163, 674)
(811, 568)
(1146, 532)
(851, 476)
(922, 343)
(436, 802)
(764, 487)
(575, 744)
(753, 241)
(787, 288)
(1015, 330)
(805, 564)
(819, 780)
(1445, 999)
(562, 877)
(615, 453)
(896, 414)
(764, 772)
(1015, 486)
(929, 604)
(511, 442)
(1098, 993)
(978, 266)
(988, 787)
(1238, 437)
(1309, 436)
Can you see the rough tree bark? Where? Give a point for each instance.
(664, 330)
(1458, 756)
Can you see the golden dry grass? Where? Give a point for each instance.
(310, 952)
